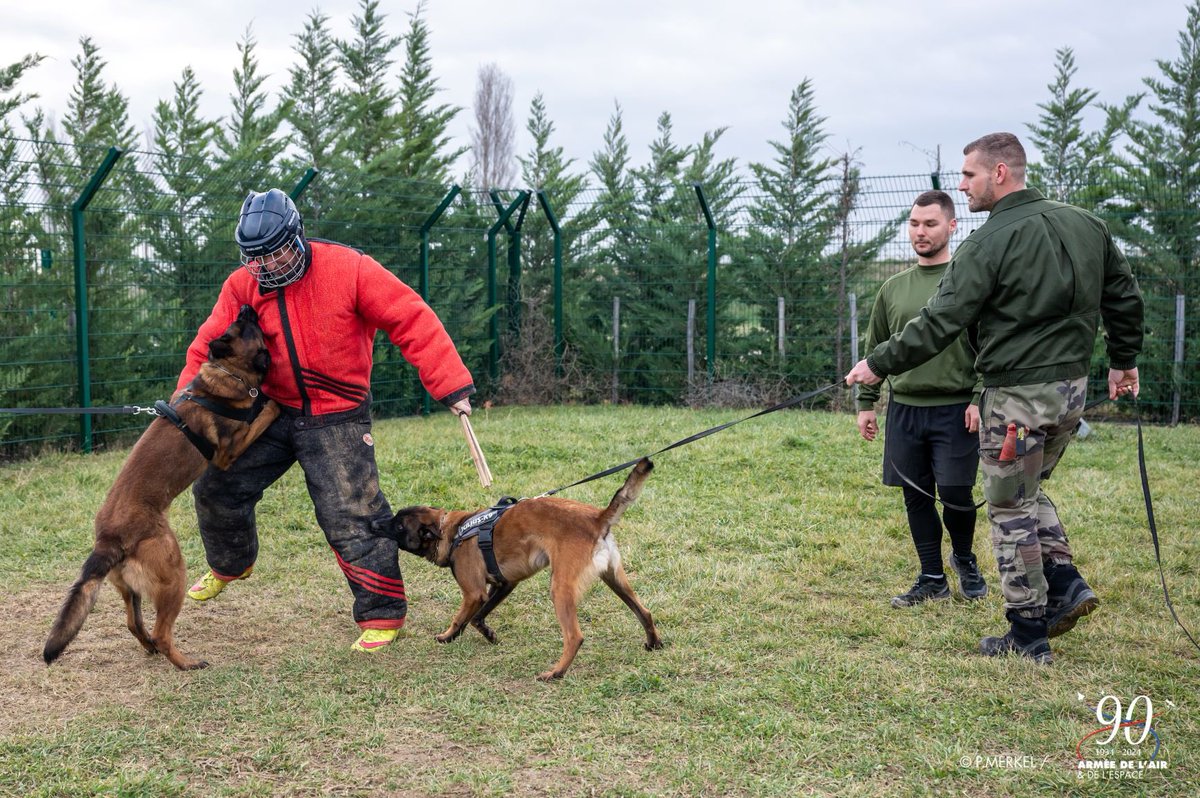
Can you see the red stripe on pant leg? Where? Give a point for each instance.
(371, 581)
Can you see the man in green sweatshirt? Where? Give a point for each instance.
(1032, 285)
(930, 442)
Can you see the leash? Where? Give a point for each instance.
(1153, 527)
(78, 411)
(693, 438)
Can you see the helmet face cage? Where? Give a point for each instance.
(278, 268)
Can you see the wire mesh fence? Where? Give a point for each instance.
(660, 294)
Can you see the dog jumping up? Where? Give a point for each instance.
(573, 538)
(214, 419)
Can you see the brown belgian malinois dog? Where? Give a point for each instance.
(213, 419)
(575, 539)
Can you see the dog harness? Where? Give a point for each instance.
(480, 526)
(202, 444)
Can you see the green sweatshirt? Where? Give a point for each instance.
(947, 379)
(1033, 284)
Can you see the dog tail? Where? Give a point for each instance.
(627, 494)
(80, 600)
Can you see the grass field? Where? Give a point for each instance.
(767, 554)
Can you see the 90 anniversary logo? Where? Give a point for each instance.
(1125, 746)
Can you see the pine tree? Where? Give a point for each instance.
(97, 119)
(369, 106)
(1075, 165)
(178, 217)
(530, 364)
(250, 141)
(793, 221)
(31, 308)
(311, 102)
(1160, 217)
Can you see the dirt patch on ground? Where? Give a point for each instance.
(106, 667)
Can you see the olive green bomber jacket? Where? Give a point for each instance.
(1032, 284)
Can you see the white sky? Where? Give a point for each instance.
(894, 79)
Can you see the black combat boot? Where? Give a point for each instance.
(1026, 636)
(1069, 598)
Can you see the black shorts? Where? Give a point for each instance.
(929, 444)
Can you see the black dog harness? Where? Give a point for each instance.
(202, 444)
(480, 526)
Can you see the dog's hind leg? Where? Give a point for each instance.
(133, 612)
(616, 579)
(495, 596)
(565, 587)
(166, 586)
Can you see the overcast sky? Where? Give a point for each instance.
(894, 79)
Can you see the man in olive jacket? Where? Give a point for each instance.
(1031, 285)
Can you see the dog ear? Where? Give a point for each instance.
(220, 348)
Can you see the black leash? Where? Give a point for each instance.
(1153, 527)
(693, 438)
(79, 411)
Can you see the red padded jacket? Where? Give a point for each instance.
(320, 330)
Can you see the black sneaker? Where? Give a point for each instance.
(924, 589)
(1070, 599)
(970, 581)
(1037, 650)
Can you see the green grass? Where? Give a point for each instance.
(767, 554)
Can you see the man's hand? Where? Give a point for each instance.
(1122, 382)
(462, 407)
(971, 418)
(868, 425)
(862, 373)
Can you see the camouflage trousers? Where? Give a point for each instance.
(1025, 527)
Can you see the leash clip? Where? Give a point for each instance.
(138, 409)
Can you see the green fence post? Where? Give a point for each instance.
(303, 184)
(560, 345)
(711, 344)
(83, 349)
(494, 323)
(423, 288)
(514, 262)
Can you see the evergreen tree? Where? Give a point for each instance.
(793, 221)
(368, 115)
(178, 218)
(250, 141)
(96, 119)
(530, 362)
(1075, 164)
(31, 309)
(1160, 217)
(312, 101)
(426, 150)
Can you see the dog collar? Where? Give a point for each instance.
(480, 526)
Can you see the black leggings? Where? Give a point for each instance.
(926, 527)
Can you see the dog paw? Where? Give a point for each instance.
(653, 645)
(487, 632)
(549, 676)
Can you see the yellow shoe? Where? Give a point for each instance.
(371, 640)
(210, 586)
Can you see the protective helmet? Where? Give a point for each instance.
(271, 237)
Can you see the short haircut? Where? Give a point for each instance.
(1002, 148)
(939, 198)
